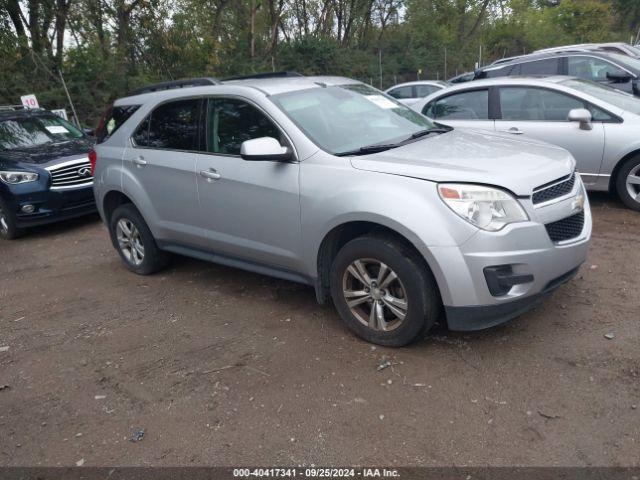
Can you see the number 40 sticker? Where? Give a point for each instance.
(29, 101)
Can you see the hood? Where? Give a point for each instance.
(474, 156)
(45, 153)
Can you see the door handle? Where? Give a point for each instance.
(210, 174)
(140, 161)
(514, 131)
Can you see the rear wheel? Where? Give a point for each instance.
(8, 228)
(383, 291)
(628, 183)
(134, 241)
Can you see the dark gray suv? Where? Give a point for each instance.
(613, 69)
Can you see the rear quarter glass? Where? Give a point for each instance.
(113, 119)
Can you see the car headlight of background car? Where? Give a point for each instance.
(13, 178)
(485, 207)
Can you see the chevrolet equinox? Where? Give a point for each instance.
(329, 182)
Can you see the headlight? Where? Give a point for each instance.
(13, 178)
(485, 207)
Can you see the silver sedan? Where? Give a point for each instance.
(600, 126)
(411, 92)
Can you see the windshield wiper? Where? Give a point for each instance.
(428, 131)
(381, 147)
(369, 149)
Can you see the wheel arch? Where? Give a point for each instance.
(340, 235)
(112, 200)
(618, 166)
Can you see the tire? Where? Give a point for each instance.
(138, 249)
(624, 189)
(8, 228)
(414, 286)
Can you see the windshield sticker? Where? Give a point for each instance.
(381, 101)
(56, 129)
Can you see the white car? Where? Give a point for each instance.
(411, 92)
(597, 124)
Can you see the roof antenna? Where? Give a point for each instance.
(73, 109)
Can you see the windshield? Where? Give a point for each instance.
(624, 101)
(626, 61)
(634, 49)
(31, 132)
(345, 118)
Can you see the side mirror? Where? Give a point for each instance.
(265, 149)
(583, 116)
(619, 76)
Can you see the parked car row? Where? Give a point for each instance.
(597, 124)
(326, 181)
(570, 96)
(612, 69)
(398, 219)
(411, 92)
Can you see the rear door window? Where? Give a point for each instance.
(470, 105)
(402, 92)
(141, 135)
(547, 66)
(499, 72)
(173, 126)
(113, 120)
(424, 90)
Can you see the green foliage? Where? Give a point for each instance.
(114, 46)
(587, 20)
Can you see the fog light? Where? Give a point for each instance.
(501, 278)
(28, 208)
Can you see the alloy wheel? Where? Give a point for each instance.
(633, 183)
(374, 294)
(129, 241)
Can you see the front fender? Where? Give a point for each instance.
(410, 207)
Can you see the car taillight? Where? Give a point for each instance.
(93, 158)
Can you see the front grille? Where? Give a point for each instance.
(71, 175)
(548, 192)
(566, 229)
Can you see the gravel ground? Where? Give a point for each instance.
(224, 367)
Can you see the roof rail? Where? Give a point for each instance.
(12, 107)
(184, 83)
(19, 108)
(285, 73)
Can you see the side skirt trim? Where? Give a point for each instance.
(234, 262)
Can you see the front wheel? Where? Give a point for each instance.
(8, 228)
(383, 291)
(134, 241)
(628, 183)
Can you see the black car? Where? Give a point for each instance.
(45, 171)
(464, 77)
(618, 71)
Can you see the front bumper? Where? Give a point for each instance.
(481, 317)
(528, 251)
(52, 206)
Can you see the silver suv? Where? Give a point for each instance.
(329, 182)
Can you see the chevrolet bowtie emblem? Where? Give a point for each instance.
(578, 203)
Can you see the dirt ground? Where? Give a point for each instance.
(224, 367)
